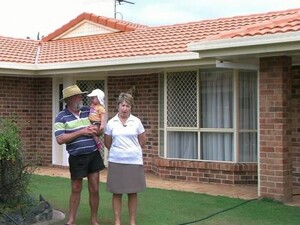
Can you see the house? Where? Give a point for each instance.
(220, 99)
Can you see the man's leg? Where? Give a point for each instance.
(76, 186)
(93, 181)
(117, 206)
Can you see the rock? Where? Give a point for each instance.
(41, 212)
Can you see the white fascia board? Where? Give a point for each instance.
(17, 68)
(128, 61)
(113, 64)
(226, 64)
(269, 43)
(153, 63)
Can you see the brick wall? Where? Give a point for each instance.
(295, 127)
(275, 128)
(209, 172)
(145, 107)
(31, 100)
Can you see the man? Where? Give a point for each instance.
(73, 128)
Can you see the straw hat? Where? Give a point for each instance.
(100, 95)
(71, 91)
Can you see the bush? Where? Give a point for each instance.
(15, 172)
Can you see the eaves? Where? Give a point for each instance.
(250, 46)
(188, 59)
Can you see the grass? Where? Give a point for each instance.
(165, 207)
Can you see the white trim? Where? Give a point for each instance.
(72, 31)
(258, 137)
(120, 61)
(268, 43)
(231, 65)
(107, 65)
(245, 41)
(236, 112)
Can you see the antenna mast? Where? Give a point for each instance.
(120, 1)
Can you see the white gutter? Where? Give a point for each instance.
(269, 43)
(154, 59)
(113, 64)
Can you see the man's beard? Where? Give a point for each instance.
(77, 106)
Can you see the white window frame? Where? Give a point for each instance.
(235, 130)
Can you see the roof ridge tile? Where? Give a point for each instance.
(113, 23)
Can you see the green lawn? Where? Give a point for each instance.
(165, 207)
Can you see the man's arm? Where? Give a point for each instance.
(87, 131)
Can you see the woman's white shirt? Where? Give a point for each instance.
(125, 147)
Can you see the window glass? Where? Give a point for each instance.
(216, 92)
(182, 99)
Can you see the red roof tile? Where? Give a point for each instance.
(137, 40)
(282, 22)
(117, 24)
(13, 50)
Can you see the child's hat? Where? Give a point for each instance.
(100, 95)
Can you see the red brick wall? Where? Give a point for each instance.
(275, 128)
(31, 100)
(295, 115)
(209, 172)
(146, 108)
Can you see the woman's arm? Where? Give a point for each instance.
(142, 139)
(107, 141)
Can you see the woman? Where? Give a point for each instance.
(125, 137)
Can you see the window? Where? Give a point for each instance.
(210, 114)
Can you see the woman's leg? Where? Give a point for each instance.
(117, 207)
(132, 206)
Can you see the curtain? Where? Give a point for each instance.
(248, 116)
(182, 145)
(217, 112)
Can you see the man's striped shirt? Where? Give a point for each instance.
(66, 122)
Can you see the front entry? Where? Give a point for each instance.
(59, 153)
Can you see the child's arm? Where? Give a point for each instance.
(103, 122)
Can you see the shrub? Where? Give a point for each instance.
(14, 170)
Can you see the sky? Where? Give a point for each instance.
(37, 18)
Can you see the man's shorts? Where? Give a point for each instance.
(82, 165)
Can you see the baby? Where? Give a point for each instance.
(97, 112)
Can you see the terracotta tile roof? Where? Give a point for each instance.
(117, 24)
(282, 22)
(15, 50)
(135, 40)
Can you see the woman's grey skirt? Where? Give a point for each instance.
(125, 178)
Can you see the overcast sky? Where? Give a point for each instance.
(27, 18)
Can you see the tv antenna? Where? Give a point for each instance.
(120, 1)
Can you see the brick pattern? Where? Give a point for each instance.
(275, 128)
(145, 106)
(295, 127)
(209, 172)
(30, 100)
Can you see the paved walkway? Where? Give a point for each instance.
(234, 191)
